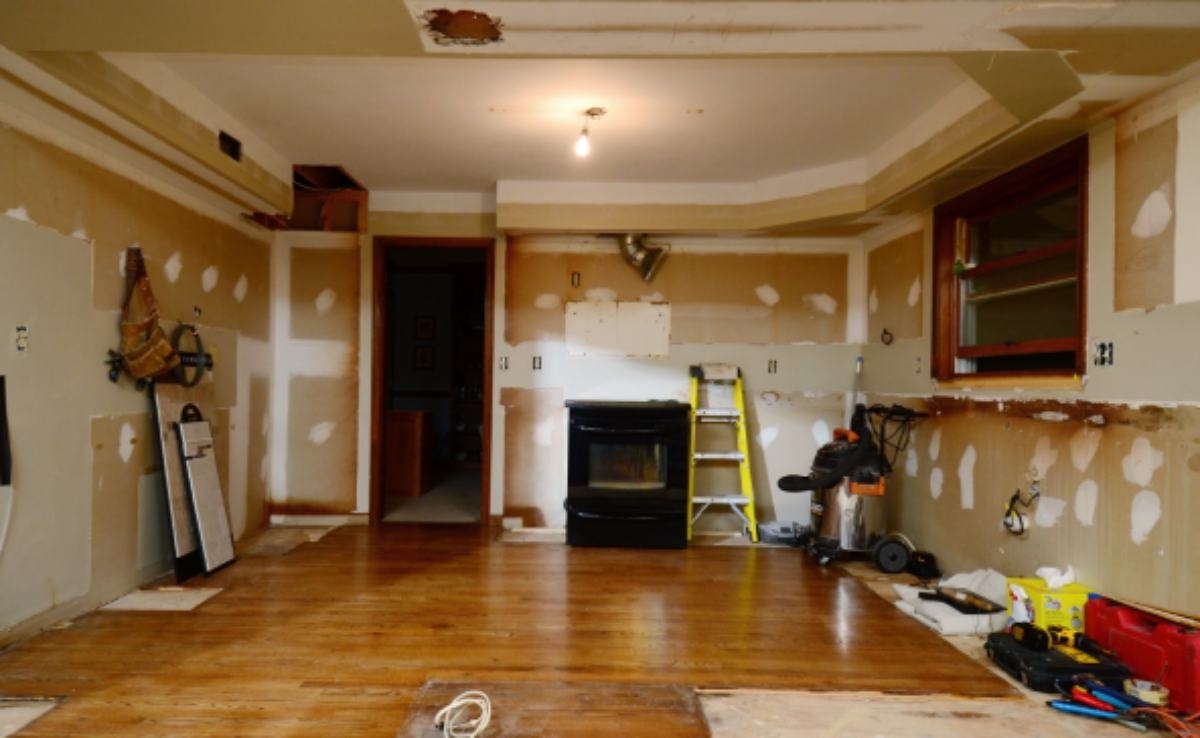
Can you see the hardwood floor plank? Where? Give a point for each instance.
(337, 637)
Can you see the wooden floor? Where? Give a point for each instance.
(337, 637)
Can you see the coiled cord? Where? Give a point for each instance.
(455, 719)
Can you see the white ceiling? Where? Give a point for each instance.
(463, 124)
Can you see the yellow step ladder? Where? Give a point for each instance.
(728, 378)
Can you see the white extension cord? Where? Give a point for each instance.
(455, 719)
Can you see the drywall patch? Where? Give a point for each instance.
(543, 433)
(208, 278)
(1086, 497)
(601, 294)
(321, 432)
(1044, 457)
(767, 294)
(966, 478)
(912, 463)
(873, 301)
(1154, 215)
(1143, 515)
(653, 297)
(936, 480)
(19, 213)
(325, 301)
(1049, 511)
(241, 288)
(547, 301)
(821, 303)
(80, 234)
(767, 436)
(126, 443)
(1084, 445)
(821, 433)
(935, 444)
(173, 267)
(1141, 462)
(914, 292)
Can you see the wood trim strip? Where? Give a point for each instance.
(1019, 348)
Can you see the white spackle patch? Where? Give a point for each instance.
(241, 288)
(1084, 445)
(912, 463)
(914, 292)
(208, 278)
(325, 301)
(966, 478)
(770, 397)
(1086, 497)
(821, 303)
(547, 301)
(1141, 463)
(81, 234)
(1095, 420)
(1053, 416)
(935, 482)
(125, 444)
(873, 301)
(1155, 214)
(1049, 510)
(543, 433)
(935, 444)
(767, 294)
(173, 267)
(1144, 515)
(821, 433)
(321, 432)
(653, 297)
(19, 213)
(767, 436)
(601, 294)
(1044, 457)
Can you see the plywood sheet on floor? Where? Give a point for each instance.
(15, 715)
(165, 599)
(557, 710)
(872, 714)
(281, 540)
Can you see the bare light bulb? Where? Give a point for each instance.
(583, 146)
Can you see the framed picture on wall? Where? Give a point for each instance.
(423, 357)
(423, 327)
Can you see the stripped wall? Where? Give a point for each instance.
(742, 301)
(314, 407)
(85, 463)
(1117, 452)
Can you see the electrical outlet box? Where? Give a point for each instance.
(22, 338)
(1102, 353)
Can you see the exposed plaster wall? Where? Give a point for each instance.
(314, 409)
(742, 301)
(86, 521)
(1119, 455)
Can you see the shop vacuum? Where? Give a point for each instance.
(848, 482)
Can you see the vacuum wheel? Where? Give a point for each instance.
(892, 555)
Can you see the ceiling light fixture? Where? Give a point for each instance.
(583, 146)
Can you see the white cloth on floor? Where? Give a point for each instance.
(945, 619)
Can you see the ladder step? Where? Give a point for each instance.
(718, 456)
(717, 413)
(721, 500)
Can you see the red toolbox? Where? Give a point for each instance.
(1152, 648)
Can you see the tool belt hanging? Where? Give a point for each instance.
(144, 345)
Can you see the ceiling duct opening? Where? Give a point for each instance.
(645, 259)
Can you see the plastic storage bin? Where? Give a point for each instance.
(1063, 606)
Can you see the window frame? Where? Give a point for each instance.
(1053, 172)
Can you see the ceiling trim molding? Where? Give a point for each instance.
(103, 82)
(432, 225)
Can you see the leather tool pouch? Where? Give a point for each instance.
(144, 345)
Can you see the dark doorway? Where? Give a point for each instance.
(432, 384)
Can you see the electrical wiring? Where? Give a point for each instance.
(1181, 726)
(455, 719)
(1014, 519)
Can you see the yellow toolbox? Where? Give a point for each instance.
(1032, 601)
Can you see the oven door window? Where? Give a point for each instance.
(633, 466)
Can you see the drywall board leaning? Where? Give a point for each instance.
(196, 449)
(169, 400)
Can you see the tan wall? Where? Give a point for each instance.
(86, 521)
(895, 291)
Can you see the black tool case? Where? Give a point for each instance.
(1039, 670)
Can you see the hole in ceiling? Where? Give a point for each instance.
(462, 27)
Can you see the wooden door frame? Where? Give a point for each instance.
(379, 248)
